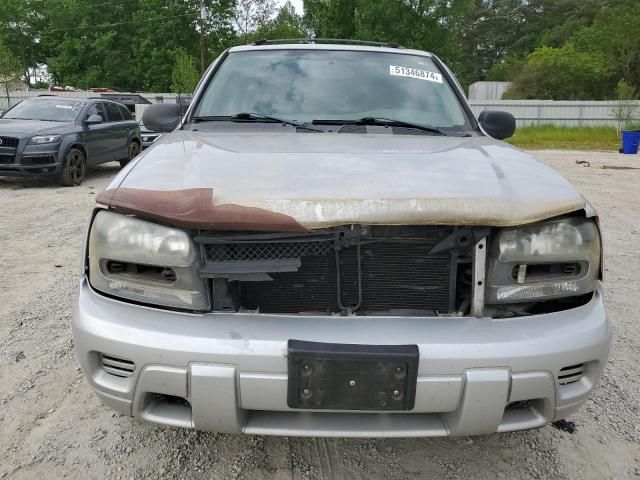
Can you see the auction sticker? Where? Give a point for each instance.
(415, 73)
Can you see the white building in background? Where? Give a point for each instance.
(480, 91)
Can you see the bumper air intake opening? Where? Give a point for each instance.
(571, 374)
(524, 414)
(38, 159)
(167, 410)
(116, 366)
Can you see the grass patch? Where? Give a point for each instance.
(566, 138)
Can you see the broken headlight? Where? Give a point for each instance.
(553, 259)
(146, 262)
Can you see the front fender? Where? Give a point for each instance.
(134, 134)
(69, 141)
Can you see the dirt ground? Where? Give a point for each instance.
(52, 426)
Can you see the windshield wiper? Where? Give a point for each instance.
(388, 122)
(34, 119)
(253, 117)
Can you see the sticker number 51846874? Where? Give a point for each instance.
(397, 71)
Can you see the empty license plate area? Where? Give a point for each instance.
(351, 377)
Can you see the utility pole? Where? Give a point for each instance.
(203, 14)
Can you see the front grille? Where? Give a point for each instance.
(397, 274)
(9, 142)
(7, 158)
(571, 374)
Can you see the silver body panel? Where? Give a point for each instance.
(232, 368)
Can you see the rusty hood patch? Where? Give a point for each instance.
(277, 180)
(194, 208)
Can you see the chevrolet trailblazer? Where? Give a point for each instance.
(328, 243)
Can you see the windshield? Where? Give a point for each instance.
(307, 85)
(52, 110)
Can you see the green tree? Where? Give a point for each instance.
(593, 59)
(157, 43)
(185, 74)
(219, 29)
(10, 70)
(563, 18)
(90, 45)
(614, 34)
(286, 24)
(498, 35)
(20, 23)
(330, 18)
(132, 44)
(252, 15)
(561, 74)
(624, 111)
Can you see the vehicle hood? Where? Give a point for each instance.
(296, 181)
(145, 131)
(29, 128)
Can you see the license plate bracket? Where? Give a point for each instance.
(351, 376)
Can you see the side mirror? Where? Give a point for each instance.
(94, 120)
(161, 117)
(500, 125)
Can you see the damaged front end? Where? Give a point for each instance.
(361, 270)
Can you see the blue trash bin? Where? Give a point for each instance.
(630, 141)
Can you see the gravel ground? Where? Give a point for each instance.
(52, 426)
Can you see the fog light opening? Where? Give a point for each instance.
(167, 410)
(524, 414)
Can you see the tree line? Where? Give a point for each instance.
(549, 49)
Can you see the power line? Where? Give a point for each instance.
(119, 23)
(89, 5)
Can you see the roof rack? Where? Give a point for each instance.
(280, 41)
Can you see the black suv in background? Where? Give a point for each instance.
(60, 137)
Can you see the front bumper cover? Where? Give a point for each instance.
(228, 372)
(33, 160)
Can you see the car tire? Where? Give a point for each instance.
(74, 168)
(134, 151)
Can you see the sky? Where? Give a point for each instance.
(296, 3)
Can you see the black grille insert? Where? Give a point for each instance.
(266, 251)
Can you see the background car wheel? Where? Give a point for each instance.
(134, 150)
(74, 168)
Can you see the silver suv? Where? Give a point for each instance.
(330, 244)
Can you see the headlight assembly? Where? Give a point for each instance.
(144, 261)
(553, 259)
(44, 139)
